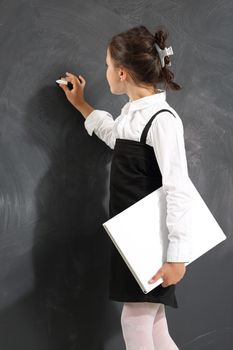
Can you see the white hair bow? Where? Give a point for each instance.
(167, 51)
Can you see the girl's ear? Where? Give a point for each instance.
(122, 73)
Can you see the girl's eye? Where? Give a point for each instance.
(106, 64)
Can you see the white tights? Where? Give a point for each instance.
(144, 327)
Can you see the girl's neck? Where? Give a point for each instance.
(135, 95)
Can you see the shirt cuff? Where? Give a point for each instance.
(178, 252)
(93, 119)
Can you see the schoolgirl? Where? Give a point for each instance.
(147, 139)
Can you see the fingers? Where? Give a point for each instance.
(73, 78)
(170, 281)
(64, 87)
(77, 82)
(157, 276)
(82, 79)
(70, 79)
(170, 273)
(165, 284)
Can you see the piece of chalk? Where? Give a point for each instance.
(65, 82)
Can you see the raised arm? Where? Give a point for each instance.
(101, 122)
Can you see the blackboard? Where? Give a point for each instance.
(54, 177)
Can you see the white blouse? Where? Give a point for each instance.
(166, 136)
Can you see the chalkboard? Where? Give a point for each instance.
(54, 177)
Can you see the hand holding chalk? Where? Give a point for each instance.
(65, 82)
(73, 87)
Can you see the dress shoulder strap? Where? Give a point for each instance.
(147, 126)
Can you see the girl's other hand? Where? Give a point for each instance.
(76, 95)
(171, 273)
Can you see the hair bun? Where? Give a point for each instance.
(160, 37)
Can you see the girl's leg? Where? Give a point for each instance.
(161, 336)
(137, 321)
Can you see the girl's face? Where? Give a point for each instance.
(114, 76)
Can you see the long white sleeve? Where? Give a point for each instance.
(167, 137)
(102, 123)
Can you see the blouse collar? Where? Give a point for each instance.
(145, 101)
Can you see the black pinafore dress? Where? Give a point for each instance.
(134, 174)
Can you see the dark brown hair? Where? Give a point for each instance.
(134, 49)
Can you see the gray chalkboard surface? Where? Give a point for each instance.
(54, 177)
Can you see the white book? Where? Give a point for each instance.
(140, 234)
